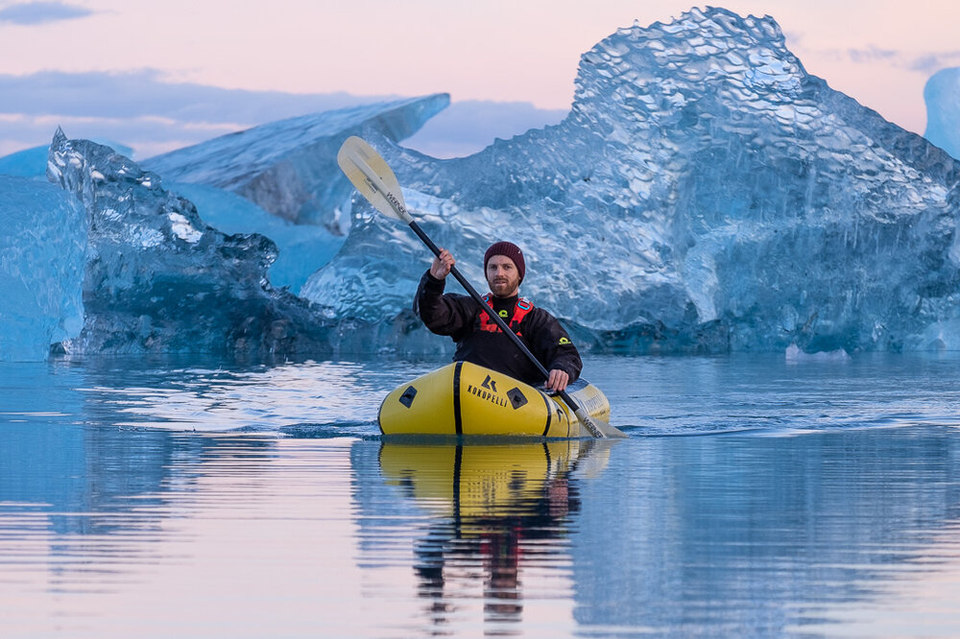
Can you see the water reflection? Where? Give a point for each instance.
(746, 535)
(495, 512)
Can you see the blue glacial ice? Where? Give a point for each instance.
(942, 97)
(704, 194)
(155, 276)
(301, 248)
(42, 257)
(32, 162)
(281, 179)
(289, 168)
(159, 279)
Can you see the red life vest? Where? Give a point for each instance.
(520, 310)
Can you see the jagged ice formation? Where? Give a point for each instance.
(704, 194)
(289, 168)
(158, 279)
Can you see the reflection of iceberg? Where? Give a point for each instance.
(749, 536)
(74, 479)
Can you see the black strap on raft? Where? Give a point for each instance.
(457, 417)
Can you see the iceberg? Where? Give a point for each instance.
(32, 162)
(704, 194)
(301, 248)
(289, 168)
(942, 97)
(26, 163)
(42, 258)
(159, 279)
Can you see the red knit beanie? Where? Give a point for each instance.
(507, 249)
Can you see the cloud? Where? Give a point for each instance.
(139, 109)
(467, 127)
(927, 63)
(145, 93)
(30, 13)
(871, 55)
(933, 62)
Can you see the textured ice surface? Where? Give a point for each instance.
(289, 168)
(301, 248)
(41, 268)
(158, 279)
(942, 95)
(705, 193)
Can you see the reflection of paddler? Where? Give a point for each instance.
(489, 500)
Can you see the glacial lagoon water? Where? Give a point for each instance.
(755, 497)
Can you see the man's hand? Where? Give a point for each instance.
(558, 380)
(441, 265)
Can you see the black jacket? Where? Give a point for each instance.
(459, 317)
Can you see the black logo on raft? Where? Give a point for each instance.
(516, 397)
(408, 395)
(489, 384)
(493, 398)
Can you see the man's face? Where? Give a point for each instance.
(502, 276)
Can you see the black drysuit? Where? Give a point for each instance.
(460, 317)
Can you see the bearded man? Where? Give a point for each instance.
(478, 338)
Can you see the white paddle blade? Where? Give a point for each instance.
(598, 428)
(370, 173)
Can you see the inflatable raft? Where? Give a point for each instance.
(467, 399)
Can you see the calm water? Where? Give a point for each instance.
(754, 498)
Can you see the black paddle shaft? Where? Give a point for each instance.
(569, 401)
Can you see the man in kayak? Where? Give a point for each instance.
(479, 340)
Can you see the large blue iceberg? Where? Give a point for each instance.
(159, 279)
(282, 180)
(704, 194)
(289, 168)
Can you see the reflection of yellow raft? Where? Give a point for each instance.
(480, 481)
(466, 399)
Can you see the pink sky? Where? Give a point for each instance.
(880, 52)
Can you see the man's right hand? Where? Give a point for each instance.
(441, 265)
